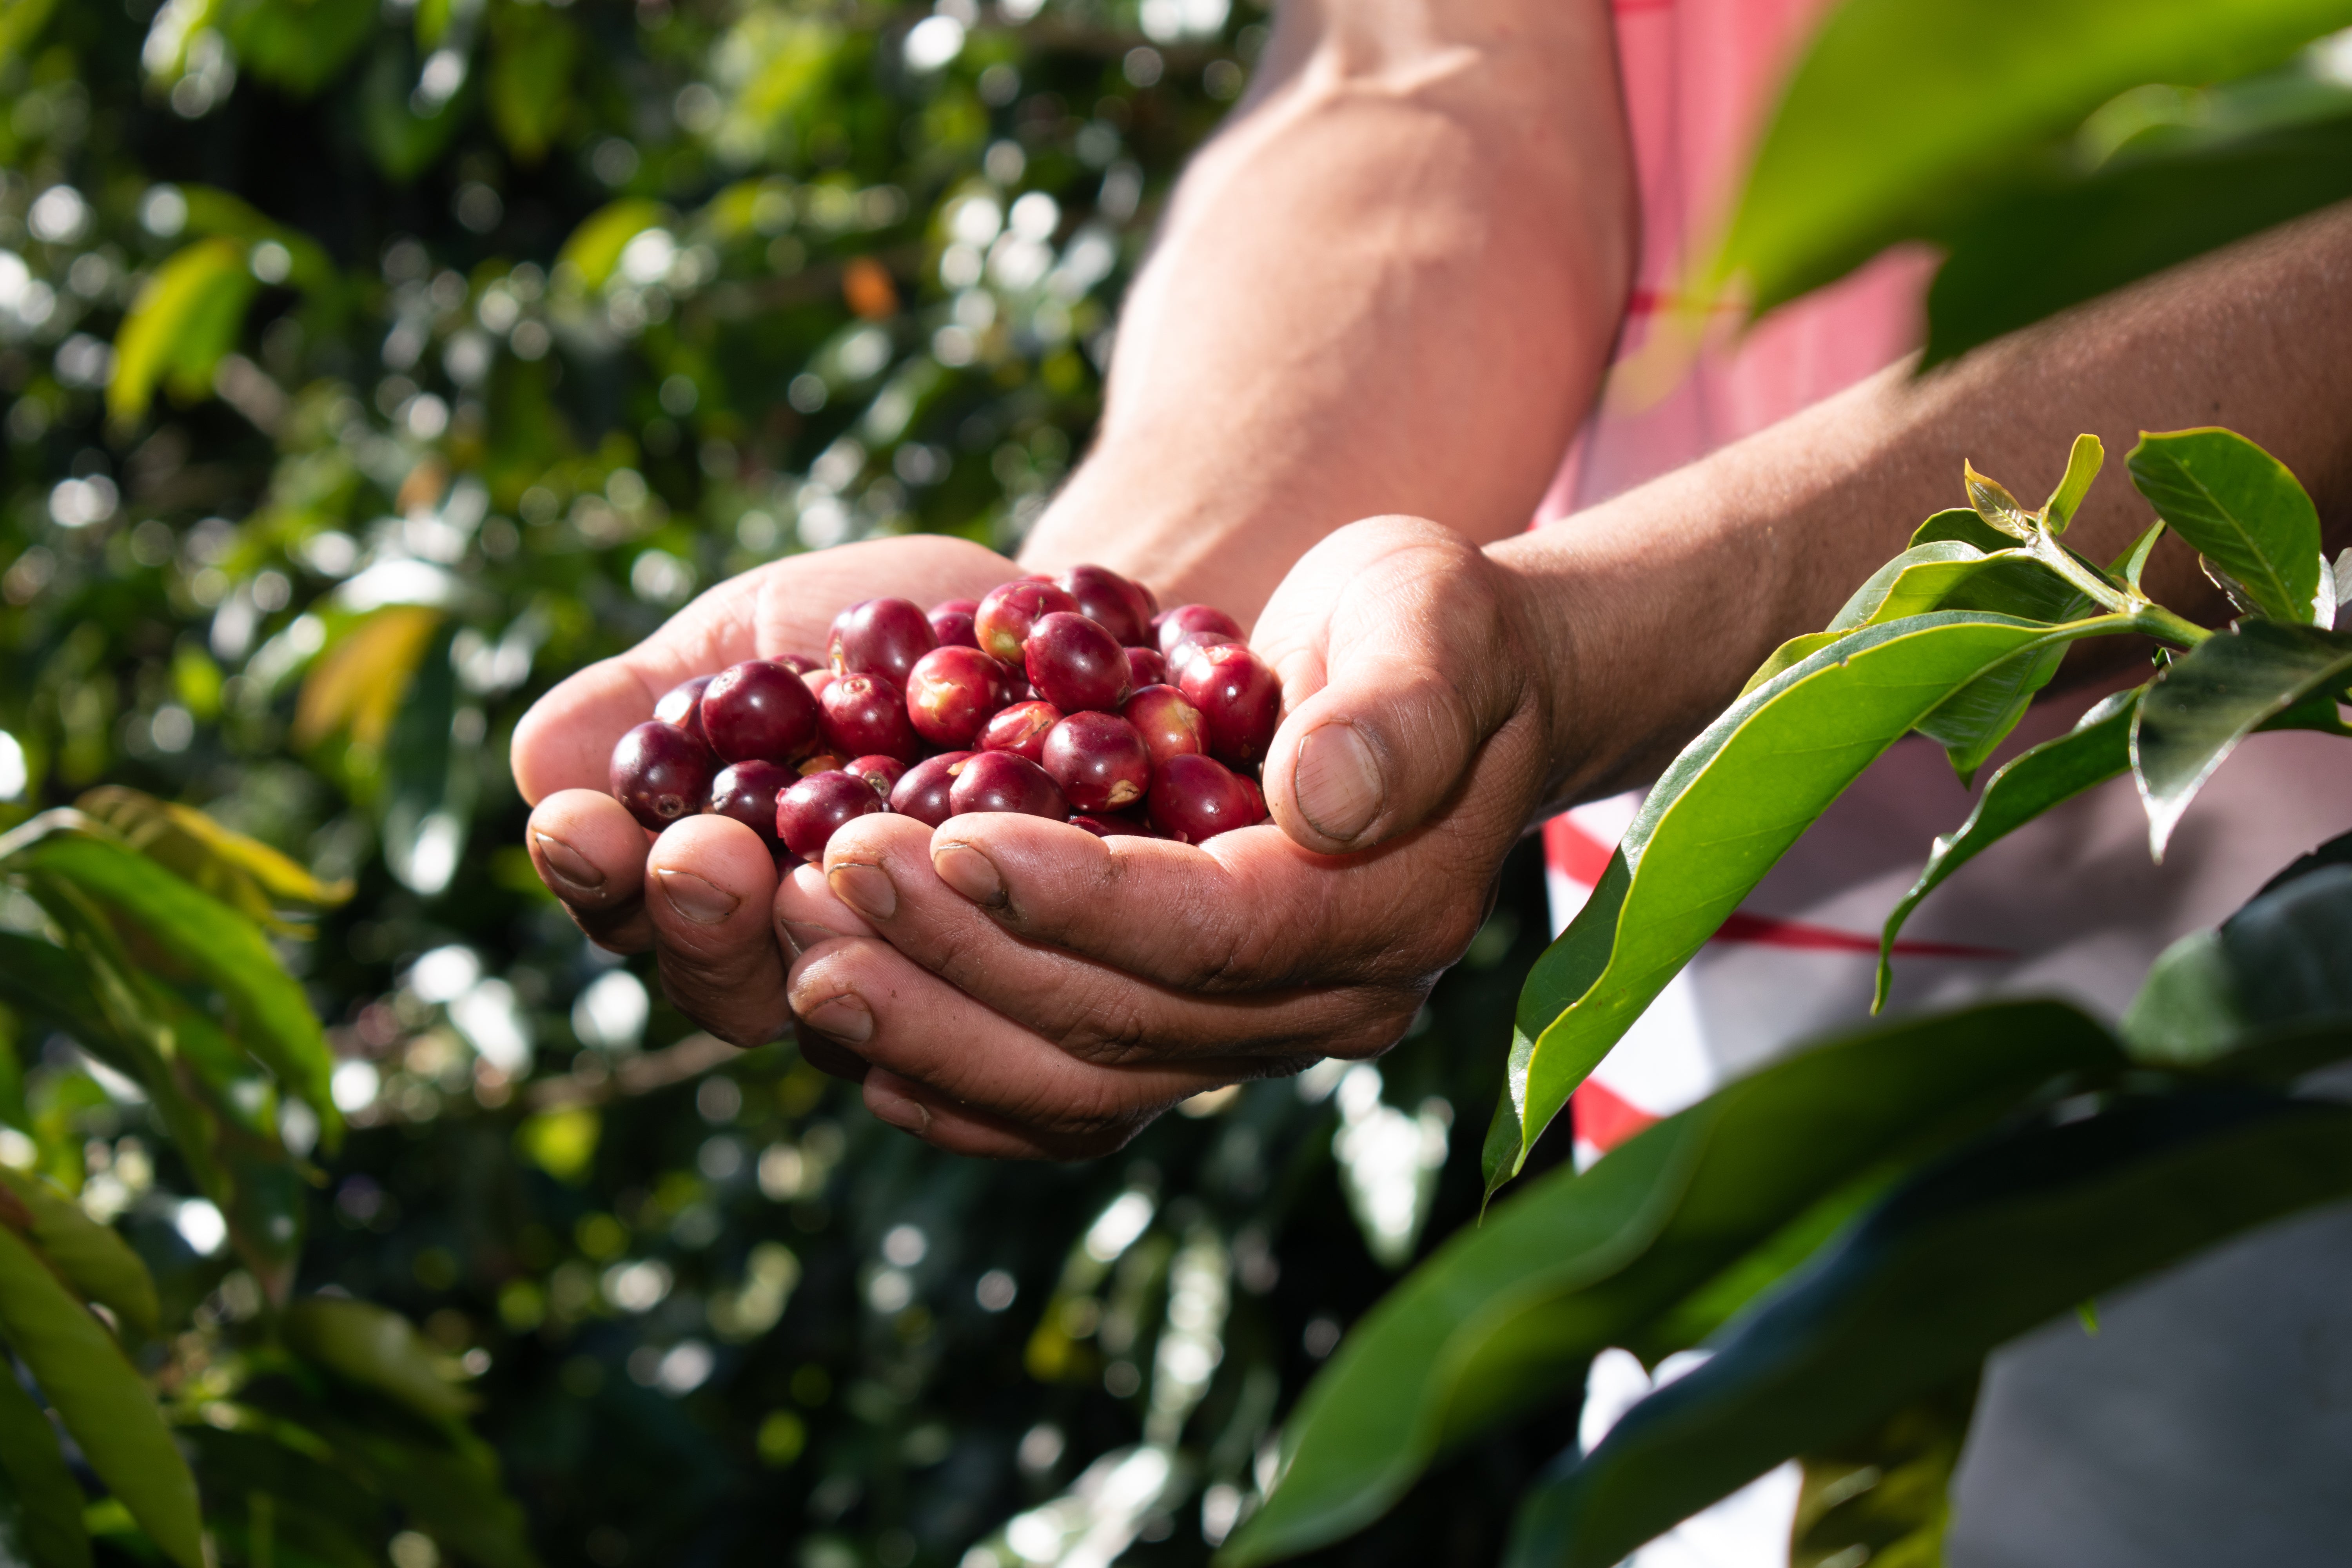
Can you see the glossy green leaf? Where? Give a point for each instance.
(243, 873)
(1961, 523)
(374, 1346)
(2212, 697)
(1966, 1257)
(2084, 461)
(101, 1400)
(1899, 108)
(2285, 959)
(1888, 1492)
(1505, 1313)
(2242, 511)
(2097, 750)
(273, 1017)
(39, 1499)
(2129, 566)
(1723, 813)
(93, 1258)
(185, 318)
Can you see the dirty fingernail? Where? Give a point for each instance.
(845, 1018)
(866, 888)
(968, 872)
(907, 1115)
(1337, 782)
(568, 865)
(697, 898)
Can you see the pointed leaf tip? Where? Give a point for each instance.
(1993, 504)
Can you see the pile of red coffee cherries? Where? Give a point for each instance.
(1072, 697)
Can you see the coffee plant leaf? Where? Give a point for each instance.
(40, 1501)
(313, 1508)
(594, 247)
(93, 1258)
(1961, 523)
(2212, 697)
(2084, 461)
(2097, 750)
(98, 1396)
(249, 876)
(2243, 512)
(2283, 962)
(1888, 1492)
(1914, 583)
(377, 1347)
(1506, 1315)
(1726, 810)
(1961, 1258)
(2132, 563)
(184, 321)
(450, 1489)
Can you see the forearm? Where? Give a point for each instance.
(1390, 284)
(1655, 606)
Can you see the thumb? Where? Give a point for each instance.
(1399, 660)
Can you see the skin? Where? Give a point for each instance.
(1012, 986)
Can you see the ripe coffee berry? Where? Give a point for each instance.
(748, 791)
(952, 623)
(999, 781)
(879, 636)
(1199, 621)
(1021, 729)
(1113, 825)
(682, 705)
(1099, 759)
(1145, 666)
(1195, 798)
(864, 715)
(922, 792)
(1075, 664)
(1123, 607)
(1170, 727)
(661, 774)
(759, 708)
(1004, 617)
(822, 762)
(1239, 699)
(808, 814)
(952, 692)
(881, 773)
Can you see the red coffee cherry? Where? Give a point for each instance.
(1102, 595)
(1099, 759)
(822, 762)
(1145, 666)
(1170, 727)
(748, 791)
(1195, 798)
(682, 705)
(952, 623)
(661, 774)
(1113, 825)
(1021, 729)
(759, 709)
(800, 661)
(816, 681)
(1004, 617)
(866, 715)
(1240, 701)
(882, 772)
(1075, 664)
(808, 814)
(952, 692)
(922, 792)
(1193, 620)
(879, 636)
(1000, 781)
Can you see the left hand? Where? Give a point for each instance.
(1022, 988)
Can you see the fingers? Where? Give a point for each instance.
(1400, 658)
(710, 886)
(590, 853)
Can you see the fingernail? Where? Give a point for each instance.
(697, 898)
(968, 872)
(1337, 782)
(866, 888)
(845, 1018)
(568, 865)
(907, 1115)
(802, 935)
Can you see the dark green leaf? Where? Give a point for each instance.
(101, 1399)
(429, 789)
(1502, 1315)
(374, 1346)
(42, 1501)
(244, 873)
(1963, 524)
(2285, 959)
(93, 1258)
(300, 45)
(2132, 562)
(2242, 511)
(1968, 1256)
(2029, 784)
(1886, 1494)
(2212, 698)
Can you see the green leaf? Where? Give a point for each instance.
(101, 1399)
(2214, 696)
(596, 245)
(2132, 562)
(1723, 813)
(1504, 1314)
(215, 211)
(93, 1258)
(1789, 655)
(314, 1508)
(20, 23)
(300, 45)
(2242, 511)
(185, 318)
(2098, 748)
(2083, 463)
(1961, 523)
(1892, 115)
(429, 786)
(376, 1347)
(39, 1495)
(243, 873)
(403, 143)
(533, 53)
(274, 1018)
(2284, 960)
(1969, 1254)
(1887, 1493)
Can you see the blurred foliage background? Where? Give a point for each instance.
(369, 364)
